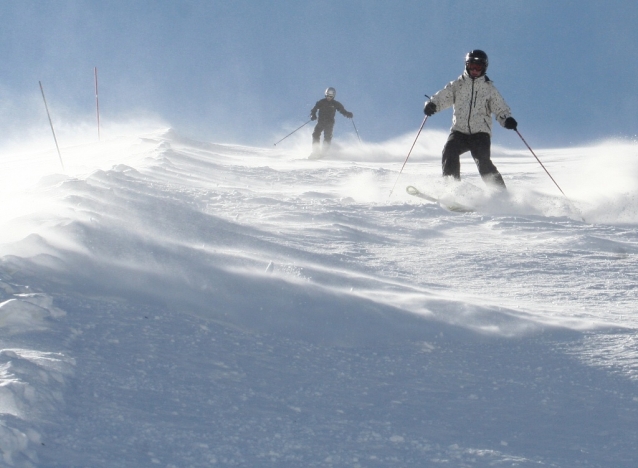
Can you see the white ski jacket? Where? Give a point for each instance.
(474, 101)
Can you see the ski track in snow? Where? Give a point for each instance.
(178, 303)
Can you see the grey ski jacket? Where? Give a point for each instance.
(474, 103)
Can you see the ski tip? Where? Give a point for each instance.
(411, 190)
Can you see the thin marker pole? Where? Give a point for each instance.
(97, 106)
(51, 124)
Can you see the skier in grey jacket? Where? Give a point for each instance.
(475, 99)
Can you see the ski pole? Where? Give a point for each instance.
(409, 152)
(355, 129)
(550, 176)
(293, 132)
(539, 162)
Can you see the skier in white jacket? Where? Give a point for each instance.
(475, 99)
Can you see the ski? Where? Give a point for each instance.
(453, 206)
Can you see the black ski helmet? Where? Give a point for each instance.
(331, 92)
(476, 56)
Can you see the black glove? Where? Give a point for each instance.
(429, 109)
(349, 115)
(510, 123)
(313, 117)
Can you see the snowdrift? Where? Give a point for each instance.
(179, 303)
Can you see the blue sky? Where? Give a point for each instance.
(248, 71)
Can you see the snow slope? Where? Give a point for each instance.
(167, 302)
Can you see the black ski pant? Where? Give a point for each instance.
(478, 144)
(326, 127)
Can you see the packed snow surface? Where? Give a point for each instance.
(168, 302)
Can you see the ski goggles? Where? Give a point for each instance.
(476, 66)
